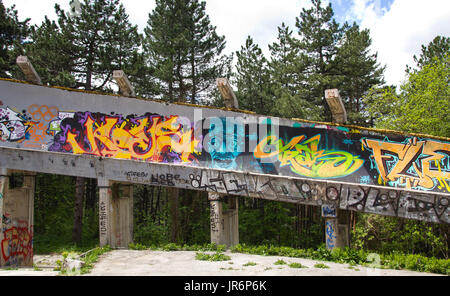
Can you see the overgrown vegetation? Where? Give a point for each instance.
(212, 257)
(296, 265)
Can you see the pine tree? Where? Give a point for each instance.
(438, 48)
(13, 34)
(87, 47)
(82, 51)
(252, 79)
(183, 49)
(359, 71)
(206, 62)
(286, 77)
(319, 36)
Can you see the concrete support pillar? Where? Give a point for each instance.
(122, 215)
(224, 222)
(104, 204)
(115, 213)
(17, 209)
(337, 223)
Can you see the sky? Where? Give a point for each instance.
(398, 27)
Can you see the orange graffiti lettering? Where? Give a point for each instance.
(144, 141)
(414, 164)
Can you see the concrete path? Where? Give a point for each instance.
(183, 263)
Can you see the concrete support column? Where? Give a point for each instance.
(336, 227)
(122, 215)
(104, 204)
(17, 209)
(224, 223)
(115, 214)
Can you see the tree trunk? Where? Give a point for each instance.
(79, 196)
(173, 194)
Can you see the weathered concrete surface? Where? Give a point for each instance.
(183, 263)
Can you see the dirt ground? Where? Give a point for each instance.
(183, 263)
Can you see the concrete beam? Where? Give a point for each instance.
(397, 202)
(334, 100)
(227, 93)
(28, 70)
(125, 86)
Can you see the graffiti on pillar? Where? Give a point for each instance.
(329, 211)
(214, 217)
(330, 234)
(103, 217)
(413, 164)
(17, 243)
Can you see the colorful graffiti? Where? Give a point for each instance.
(413, 164)
(41, 116)
(13, 125)
(330, 233)
(148, 137)
(305, 158)
(234, 144)
(17, 244)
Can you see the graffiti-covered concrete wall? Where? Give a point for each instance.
(226, 151)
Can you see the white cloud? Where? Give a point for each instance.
(398, 33)
(237, 19)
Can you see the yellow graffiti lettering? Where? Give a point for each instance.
(134, 141)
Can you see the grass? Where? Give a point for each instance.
(297, 265)
(212, 257)
(321, 265)
(280, 262)
(250, 264)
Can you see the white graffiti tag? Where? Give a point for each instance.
(12, 125)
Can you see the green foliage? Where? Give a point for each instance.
(250, 264)
(175, 247)
(438, 48)
(212, 257)
(183, 50)
(53, 216)
(252, 79)
(82, 51)
(321, 265)
(297, 265)
(388, 234)
(12, 38)
(422, 104)
(91, 257)
(359, 71)
(393, 260)
(280, 262)
(151, 233)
